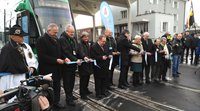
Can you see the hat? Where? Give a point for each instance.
(17, 30)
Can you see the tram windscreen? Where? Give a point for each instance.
(53, 11)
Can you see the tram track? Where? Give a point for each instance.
(142, 101)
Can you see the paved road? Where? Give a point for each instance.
(180, 94)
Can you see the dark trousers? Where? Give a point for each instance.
(196, 59)
(155, 73)
(192, 54)
(123, 74)
(100, 84)
(187, 53)
(68, 82)
(146, 67)
(164, 68)
(84, 80)
(56, 86)
(111, 73)
(136, 78)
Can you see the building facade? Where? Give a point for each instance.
(155, 16)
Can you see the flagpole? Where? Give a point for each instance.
(195, 29)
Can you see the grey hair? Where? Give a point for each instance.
(51, 25)
(68, 26)
(145, 33)
(137, 36)
(107, 29)
(84, 34)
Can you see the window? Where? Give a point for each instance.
(175, 29)
(175, 5)
(124, 14)
(153, 1)
(175, 17)
(164, 26)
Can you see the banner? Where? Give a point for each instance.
(106, 16)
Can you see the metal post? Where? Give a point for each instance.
(94, 29)
(3, 38)
(129, 20)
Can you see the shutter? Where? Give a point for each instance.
(173, 4)
(168, 27)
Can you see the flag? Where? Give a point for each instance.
(25, 5)
(190, 21)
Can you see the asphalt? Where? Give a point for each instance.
(180, 94)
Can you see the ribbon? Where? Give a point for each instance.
(145, 57)
(75, 62)
(110, 64)
(156, 55)
(5, 74)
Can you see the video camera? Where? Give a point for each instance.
(26, 97)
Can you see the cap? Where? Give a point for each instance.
(17, 30)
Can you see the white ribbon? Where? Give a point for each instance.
(145, 57)
(156, 55)
(75, 62)
(110, 64)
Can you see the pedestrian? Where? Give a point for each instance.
(177, 51)
(147, 57)
(124, 47)
(49, 58)
(166, 58)
(136, 61)
(85, 69)
(17, 59)
(196, 60)
(157, 60)
(100, 53)
(70, 52)
(112, 47)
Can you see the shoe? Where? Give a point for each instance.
(175, 75)
(58, 106)
(70, 103)
(148, 82)
(84, 97)
(74, 98)
(121, 87)
(113, 85)
(127, 85)
(106, 94)
(99, 97)
(178, 72)
(135, 85)
(110, 88)
(88, 93)
(164, 79)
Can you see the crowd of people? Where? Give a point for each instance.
(62, 56)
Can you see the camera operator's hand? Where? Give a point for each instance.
(44, 103)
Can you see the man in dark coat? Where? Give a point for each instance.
(100, 53)
(112, 47)
(147, 57)
(69, 49)
(49, 58)
(124, 47)
(85, 69)
(13, 65)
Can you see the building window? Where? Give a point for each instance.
(164, 27)
(175, 17)
(175, 4)
(175, 29)
(124, 14)
(153, 1)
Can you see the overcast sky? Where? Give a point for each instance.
(3, 5)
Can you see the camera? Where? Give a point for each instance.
(26, 96)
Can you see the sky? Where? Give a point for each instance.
(3, 5)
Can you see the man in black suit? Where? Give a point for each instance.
(85, 69)
(147, 57)
(99, 52)
(112, 47)
(49, 58)
(69, 49)
(124, 46)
